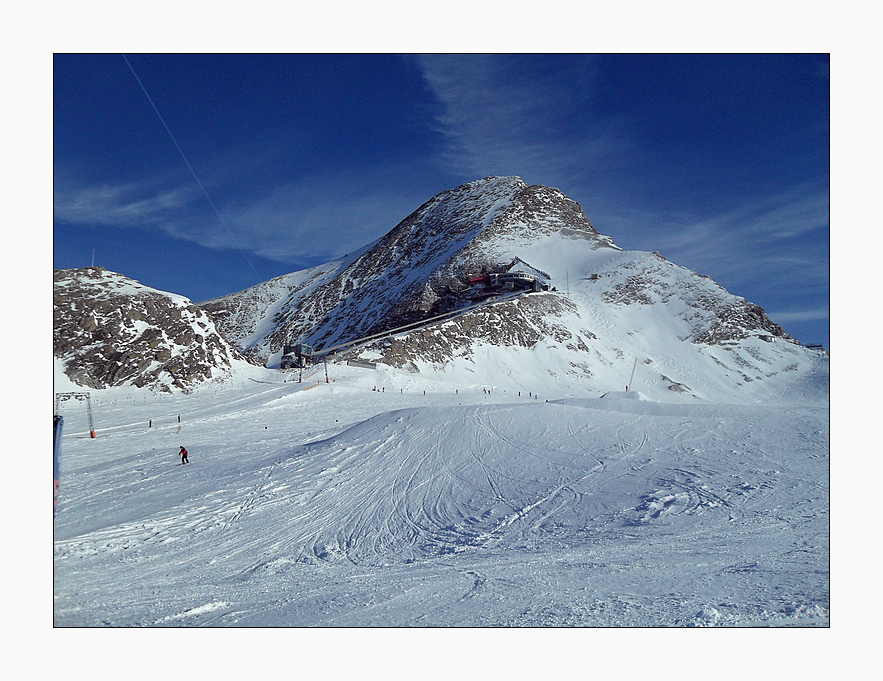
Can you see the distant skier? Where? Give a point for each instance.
(183, 454)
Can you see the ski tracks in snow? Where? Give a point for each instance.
(562, 497)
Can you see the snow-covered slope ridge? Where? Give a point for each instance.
(249, 316)
(644, 322)
(110, 330)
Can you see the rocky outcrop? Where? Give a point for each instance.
(739, 320)
(715, 316)
(110, 330)
(522, 322)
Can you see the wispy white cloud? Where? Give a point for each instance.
(320, 218)
(773, 218)
(313, 218)
(783, 235)
(516, 115)
(143, 204)
(179, 210)
(815, 314)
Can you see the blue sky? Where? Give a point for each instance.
(260, 165)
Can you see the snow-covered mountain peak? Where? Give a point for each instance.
(503, 207)
(426, 265)
(591, 312)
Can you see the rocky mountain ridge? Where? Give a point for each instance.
(594, 314)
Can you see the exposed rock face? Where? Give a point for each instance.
(110, 330)
(244, 317)
(738, 320)
(521, 322)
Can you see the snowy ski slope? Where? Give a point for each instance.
(393, 499)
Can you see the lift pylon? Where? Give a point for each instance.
(80, 397)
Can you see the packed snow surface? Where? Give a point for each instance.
(383, 498)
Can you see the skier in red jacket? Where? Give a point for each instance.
(183, 454)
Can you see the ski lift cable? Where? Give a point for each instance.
(192, 171)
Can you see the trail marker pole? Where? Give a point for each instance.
(629, 386)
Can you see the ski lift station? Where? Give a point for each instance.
(516, 281)
(524, 280)
(294, 356)
(496, 283)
